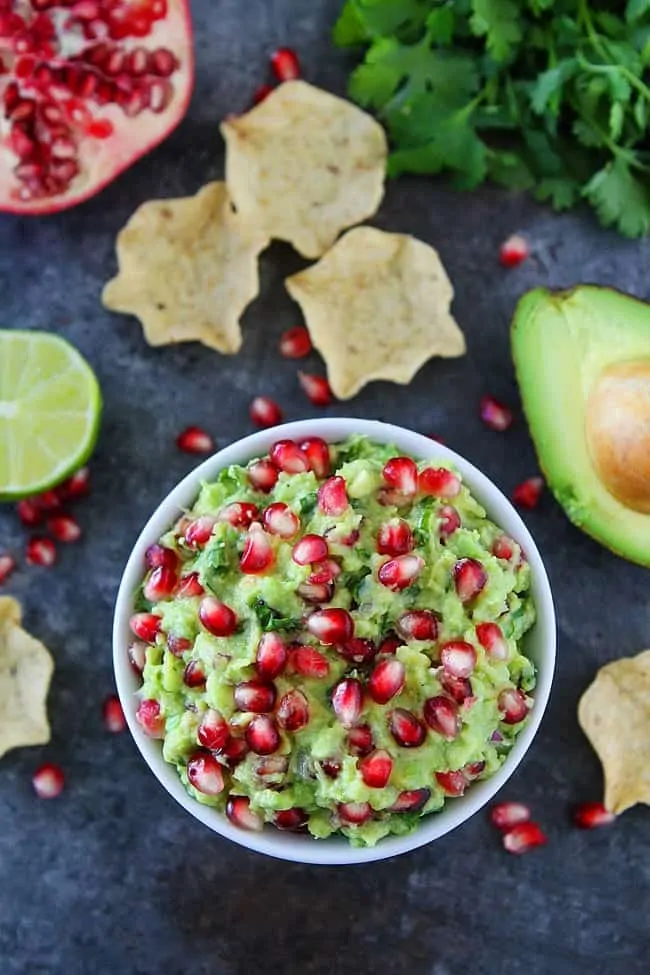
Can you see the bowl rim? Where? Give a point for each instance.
(300, 848)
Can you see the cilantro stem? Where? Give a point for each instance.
(594, 37)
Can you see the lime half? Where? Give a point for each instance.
(50, 406)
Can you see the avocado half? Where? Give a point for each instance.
(582, 359)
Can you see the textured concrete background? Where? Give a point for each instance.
(113, 876)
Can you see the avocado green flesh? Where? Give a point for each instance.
(562, 342)
(484, 737)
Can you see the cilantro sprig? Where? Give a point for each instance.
(547, 95)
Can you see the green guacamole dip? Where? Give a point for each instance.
(360, 722)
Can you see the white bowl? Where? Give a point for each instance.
(539, 644)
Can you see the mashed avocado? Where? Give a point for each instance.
(340, 651)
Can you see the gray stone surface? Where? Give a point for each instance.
(113, 876)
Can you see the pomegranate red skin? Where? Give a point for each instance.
(127, 143)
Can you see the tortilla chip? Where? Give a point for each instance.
(377, 307)
(25, 671)
(303, 165)
(187, 269)
(614, 713)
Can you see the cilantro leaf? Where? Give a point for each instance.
(453, 144)
(635, 9)
(620, 198)
(499, 21)
(547, 89)
(562, 192)
(272, 619)
(350, 29)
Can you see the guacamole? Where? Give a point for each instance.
(330, 640)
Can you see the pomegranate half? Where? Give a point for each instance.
(86, 88)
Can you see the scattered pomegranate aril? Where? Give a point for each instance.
(49, 500)
(394, 537)
(288, 457)
(315, 593)
(390, 644)
(411, 800)
(324, 572)
(285, 64)
(389, 497)
(376, 768)
(591, 815)
(258, 554)
(358, 650)
(505, 815)
(418, 624)
(441, 715)
(271, 656)
(452, 783)
(331, 767)
(137, 654)
(470, 579)
(293, 711)
(7, 566)
(29, 512)
(205, 773)
(158, 556)
(513, 251)
(316, 388)
(528, 493)
(513, 705)
(194, 440)
(239, 812)
(216, 617)
(459, 688)
(261, 93)
(354, 813)
(146, 626)
(295, 343)
(360, 740)
(160, 584)
(213, 731)
(262, 736)
(401, 474)
(279, 519)
(310, 549)
(189, 586)
(491, 638)
(113, 715)
(524, 837)
(347, 701)
(194, 674)
(239, 514)
(48, 781)
(177, 645)
(254, 695)
(318, 455)
(40, 551)
(291, 819)
(449, 521)
(386, 680)
(77, 486)
(439, 482)
(407, 729)
(400, 572)
(503, 548)
(309, 662)
(198, 532)
(265, 412)
(150, 719)
(458, 658)
(495, 415)
(234, 751)
(331, 626)
(332, 497)
(263, 475)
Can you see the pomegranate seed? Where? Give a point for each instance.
(275, 765)
(177, 645)
(360, 740)
(76, 486)
(407, 730)
(293, 711)
(449, 520)
(355, 813)
(513, 251)
(315, 593)
(528, 493)
(491, 638)
(309, 662)
(513, 705)
(291, 818)
(503, 548)
(204, 772)
(160, 584)
(146, 626)
(150, 719)
(310, 549)
(401, 572)
(113, 715)
(40, 551)
(239, 812)
(158, 556)
(262, 736)
(261, 93)
(331, 626)
(358, 651)
(265, 412)
(452, 783)
(590, 815)
(280, 520)
(318, 455)
(457, 687)
(441, 715)
(418, 624)
(295, 343)
(387, 497)
(29, 512)
(194, 675)
(199, 532)
(194, 440)
(505, 815)
(239, 514)
(271, 656)
(523, 837)
(288, 457)
(263, 475)
(324, 572)
(7, 566)
(458, 658)
(316, 388)
(49, 500)
(394, 537)
(235, 750)
(401, 474)
(258, 554)
(331, 768)
(217, 618)
(470, 578)
(213, 730)
(347, 540)
(439, 482)
(253, 695)
(347, 701)
(495, 415)
(411, 800)
(332, 496)
(137, 654)
(189, 586)
(386, 680)
(376, 768)
(48, 781)
(285, 64)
